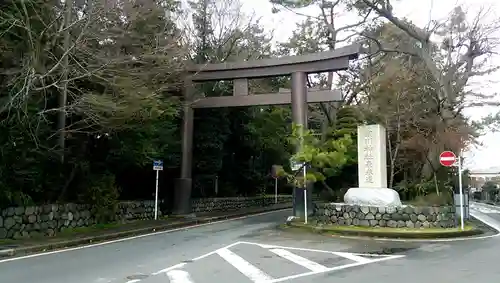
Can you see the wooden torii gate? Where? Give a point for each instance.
(240, 72)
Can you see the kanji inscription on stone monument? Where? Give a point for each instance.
(368, 156)
(372, 167)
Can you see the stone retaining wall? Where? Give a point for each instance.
(47, 220)
(395, 217)
(229, 204)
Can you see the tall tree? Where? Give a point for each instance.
(462, 54)
(226, 148)
(323, 31)
(119, 72)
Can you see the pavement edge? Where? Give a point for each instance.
(388, 235)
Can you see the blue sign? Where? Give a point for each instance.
(158, 165)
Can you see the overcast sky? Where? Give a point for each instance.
(420, 12)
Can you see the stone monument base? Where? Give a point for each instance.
(372, 197)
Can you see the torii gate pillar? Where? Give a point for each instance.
(299, 118)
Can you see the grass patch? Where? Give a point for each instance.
(388, 232)
(272, 196)
(116, 225)
(6, 242)
(88, 229)
(66, 233)
(387, 229)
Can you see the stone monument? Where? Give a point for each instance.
(372, 170)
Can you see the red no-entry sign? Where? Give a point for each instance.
(447, 158)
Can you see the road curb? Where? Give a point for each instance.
(389, 235)
(7, 253)
(130, 233)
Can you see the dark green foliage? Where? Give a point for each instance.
(124, 108)
(102, 193)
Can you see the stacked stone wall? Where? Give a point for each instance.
(47, 220)
(231, 204)
(395, 217)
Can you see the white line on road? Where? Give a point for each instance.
(354, 264)
(243, 266)
(486, 210)
(486, 220)
(138, 237)
(266, 246)
(214, 252)
(179, 276)
(256, 275)
(352, 257)
(487, 207)
(484, 204)
(179, 265)
(311, 265)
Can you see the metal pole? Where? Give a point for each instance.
(275, 190)
(305, 195)
(156, 195)
(460, 190)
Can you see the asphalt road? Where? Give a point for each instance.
(253, 250)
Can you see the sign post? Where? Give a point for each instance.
(157, 166)
(296, 167)
(304, 171)
(274, 174)
(460, 192)
(449, 159)
(275, 190)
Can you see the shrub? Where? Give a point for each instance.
(103, 195)
(433, 199)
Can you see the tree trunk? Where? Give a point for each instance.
(61, 119)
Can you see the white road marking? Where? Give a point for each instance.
(345, 266)
(486, 220)
(361, 259)
(214, 252)
(137, 237)
(257, 275)
(266, 246)
(243, 266)
(485, 204)
(311, 265)
(133, 281)
(486, 210)
(179, 265)
(353, 257)
(179, 276)
(105, 280)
